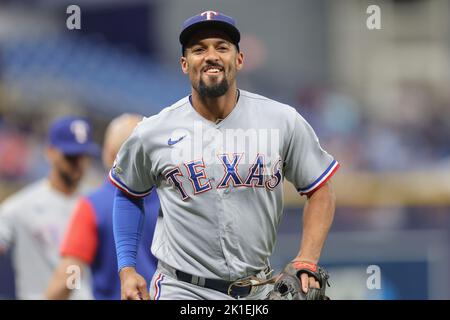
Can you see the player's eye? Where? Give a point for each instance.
(73, 159)
(197, 50)
(222, 48)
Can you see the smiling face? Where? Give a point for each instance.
(212, 62)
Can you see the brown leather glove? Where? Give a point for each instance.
(288, 285)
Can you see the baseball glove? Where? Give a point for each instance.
(288, 285)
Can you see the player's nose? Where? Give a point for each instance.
(212, 54)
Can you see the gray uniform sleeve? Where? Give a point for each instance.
(131, 171)
(306, 164)
(6, 226)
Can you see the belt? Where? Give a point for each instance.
(223, 286)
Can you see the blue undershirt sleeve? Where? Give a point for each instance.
(128, 221)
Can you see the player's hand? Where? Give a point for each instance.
(133, 285)
(308, 282)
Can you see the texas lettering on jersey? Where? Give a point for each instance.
(200, 182)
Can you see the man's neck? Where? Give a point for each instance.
(215, 109)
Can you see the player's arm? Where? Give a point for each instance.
(309, 167)
(131, 175)
(318, 216)
(128, 220)
(78, 250)
(64, 277)
(3, 249)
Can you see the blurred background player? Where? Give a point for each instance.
(33, 220)
(89, 238)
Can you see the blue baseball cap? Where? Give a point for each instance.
(207, 20)
(72, 135)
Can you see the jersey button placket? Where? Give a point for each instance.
(218, 172)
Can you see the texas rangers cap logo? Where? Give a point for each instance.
(209, 14)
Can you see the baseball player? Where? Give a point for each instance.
(217, 159)
(89, 242)
(33, 220)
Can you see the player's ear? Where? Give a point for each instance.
(239, 60)
(51, 154)
(184, 65)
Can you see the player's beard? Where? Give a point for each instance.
(68, 179)
(213, 91)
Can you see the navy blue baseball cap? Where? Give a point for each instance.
(209, 20)
(72, 136)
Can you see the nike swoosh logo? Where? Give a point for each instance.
(171, 142)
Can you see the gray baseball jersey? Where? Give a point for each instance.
(221, 184)
(32, 223)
